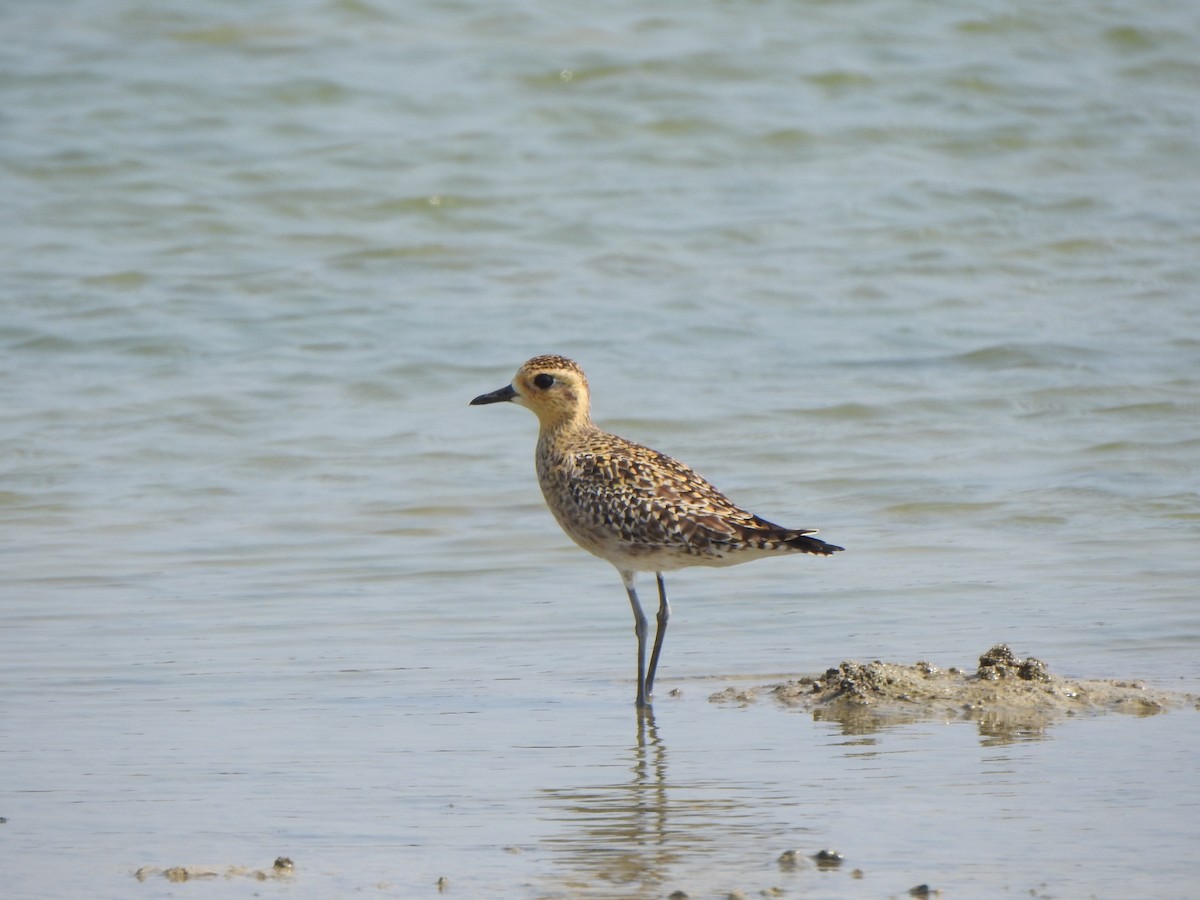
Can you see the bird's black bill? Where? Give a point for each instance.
(500, 396)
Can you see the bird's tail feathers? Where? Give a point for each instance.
(801, 539)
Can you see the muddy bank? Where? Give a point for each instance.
(1003, 693)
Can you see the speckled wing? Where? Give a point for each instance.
(651, 500)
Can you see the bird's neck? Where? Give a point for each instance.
(556, 433)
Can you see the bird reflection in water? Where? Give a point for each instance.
(631, 835)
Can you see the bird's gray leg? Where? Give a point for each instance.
(639, 628)
(664, 613)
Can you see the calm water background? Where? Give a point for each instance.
(921, 274)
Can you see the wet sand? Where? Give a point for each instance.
(1003, 693)
(281, 868)
(1010, 699)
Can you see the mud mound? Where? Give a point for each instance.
(1004, 693)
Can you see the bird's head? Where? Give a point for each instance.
(554, 387)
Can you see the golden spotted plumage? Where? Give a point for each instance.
(635, 507)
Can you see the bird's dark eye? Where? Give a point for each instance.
(543, 381)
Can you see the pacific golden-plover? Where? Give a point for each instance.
(633, 506)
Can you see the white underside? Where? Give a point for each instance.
(670, 561)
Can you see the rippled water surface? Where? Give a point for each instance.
(923, 275)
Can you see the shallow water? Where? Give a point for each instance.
(921, 276)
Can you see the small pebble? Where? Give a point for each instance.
(828, 859)
(790, 859)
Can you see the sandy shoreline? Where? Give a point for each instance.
(1009, 699)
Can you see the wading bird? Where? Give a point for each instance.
(633, 506)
